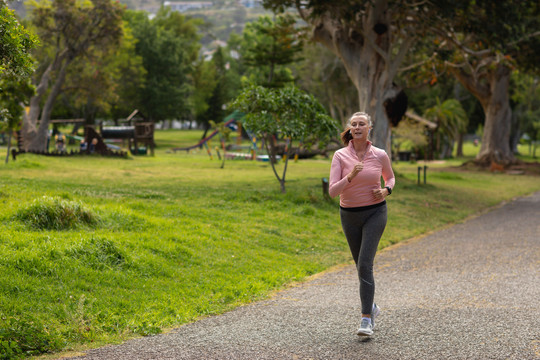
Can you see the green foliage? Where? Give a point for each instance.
(168, 46)
(268, 46)
(15, 44)
(24, 336)
(286, 112)
(215, 86)
(73, 26)
(479, 22)
(105, 83)
(526, 97)
(409, 135)
(51, 213)
(451, 120)
(15, 91)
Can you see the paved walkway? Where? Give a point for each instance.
(471, 291)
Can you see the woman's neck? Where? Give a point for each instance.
(359, 145)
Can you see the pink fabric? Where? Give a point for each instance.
(358, 191)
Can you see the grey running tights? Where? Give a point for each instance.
(363, 229)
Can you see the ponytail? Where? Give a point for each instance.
(346, 136)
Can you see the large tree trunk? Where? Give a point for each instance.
(495, 101)
(368, 59)
(34, 137)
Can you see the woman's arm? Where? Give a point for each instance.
(337, 184)
(387, 172)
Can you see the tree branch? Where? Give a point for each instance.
(394, 66)
(378, 49)
(450, 35)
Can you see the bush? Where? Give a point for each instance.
(48, 213)
(23, 337)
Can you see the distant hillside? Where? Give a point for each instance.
(224, 16)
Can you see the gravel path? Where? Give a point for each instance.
(468, 292)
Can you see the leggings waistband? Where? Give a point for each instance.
(363, 208)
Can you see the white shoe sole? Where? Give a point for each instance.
(364, 332)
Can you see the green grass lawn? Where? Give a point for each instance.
(175, 238)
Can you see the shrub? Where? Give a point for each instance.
(49, 213)
(23, 337)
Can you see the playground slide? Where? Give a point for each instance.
(200, 143)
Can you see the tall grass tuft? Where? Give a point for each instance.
(99, 253)
(53, 213)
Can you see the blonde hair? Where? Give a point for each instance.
(346, 136)
(360, 114)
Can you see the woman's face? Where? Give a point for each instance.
(359, 128)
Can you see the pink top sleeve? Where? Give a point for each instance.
(359, 191)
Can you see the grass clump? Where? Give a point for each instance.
(23, 337)
(53, 213)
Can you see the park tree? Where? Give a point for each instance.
(15, 91)
(286, 113)
(451, 120)
(213, 84)
(526, 111)
(69, 29)
(371, 38)
(324, 76)
(484, 42)
(16, 66)
(268, 46)
(168, 46)
(105, 83)
(15, 45)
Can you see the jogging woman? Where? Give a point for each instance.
(355, 175)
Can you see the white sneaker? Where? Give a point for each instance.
(366, 329)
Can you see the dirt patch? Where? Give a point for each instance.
(521, 168)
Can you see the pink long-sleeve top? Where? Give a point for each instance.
(358, 192)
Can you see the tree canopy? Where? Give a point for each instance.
(15, 44)
(168, 46)
(268, 46)
(284, 113)
(482, 42)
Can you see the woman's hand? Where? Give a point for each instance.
(380, 194)
(356, 169)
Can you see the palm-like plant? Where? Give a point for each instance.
(451, 120)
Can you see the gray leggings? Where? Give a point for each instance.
(363, 229)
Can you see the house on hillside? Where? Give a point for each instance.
(182, 6)
(251, 3)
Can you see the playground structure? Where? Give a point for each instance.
(138, 132)
(252, 151)
(229, 121)
(233, 122)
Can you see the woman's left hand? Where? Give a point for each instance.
(380, 194)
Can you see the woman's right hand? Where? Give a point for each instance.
(356, 169)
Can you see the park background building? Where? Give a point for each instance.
(183, 6)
